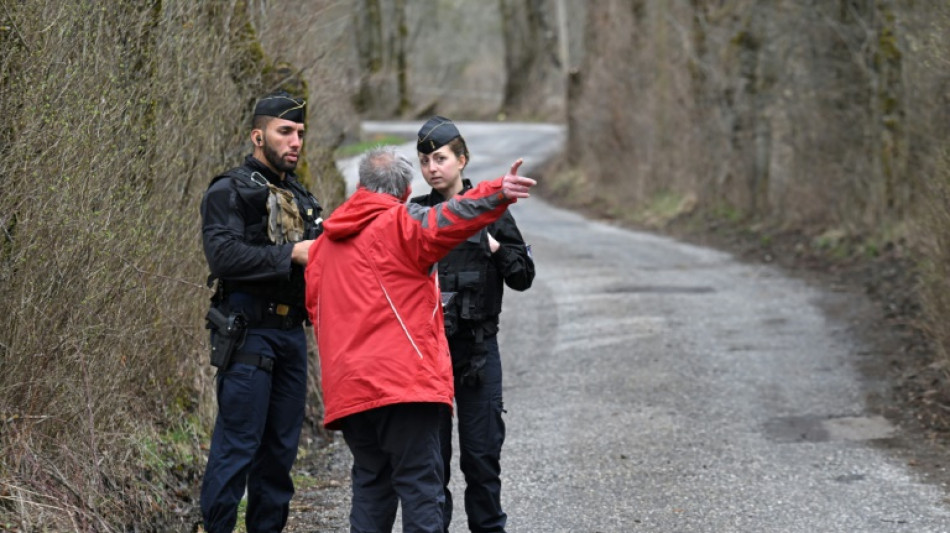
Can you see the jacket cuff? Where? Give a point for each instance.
(502, 257)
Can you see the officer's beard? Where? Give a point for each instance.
(276, 161)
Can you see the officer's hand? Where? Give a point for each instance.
(493, 243)
(301, 252)
(514, 186)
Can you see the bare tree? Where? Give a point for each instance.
(381, 33)
(401, 38)
(534, 81)
(368, 35)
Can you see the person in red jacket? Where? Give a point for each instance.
(374, 300)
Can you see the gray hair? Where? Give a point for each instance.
(384, 170)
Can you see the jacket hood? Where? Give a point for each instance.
(357, 212)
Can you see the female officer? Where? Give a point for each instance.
(472, 278)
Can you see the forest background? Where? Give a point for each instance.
(816, 130)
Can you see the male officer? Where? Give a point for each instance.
(258, 223)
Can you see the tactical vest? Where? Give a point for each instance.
(470, 273)
(252, 188)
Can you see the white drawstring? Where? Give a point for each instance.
(399, 318)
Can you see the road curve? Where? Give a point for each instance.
(652, 385)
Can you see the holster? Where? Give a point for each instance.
(469, 285)
(227, 335)
(450, 313)
(459, 299)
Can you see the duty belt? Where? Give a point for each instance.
(279, 316)
(263, 313)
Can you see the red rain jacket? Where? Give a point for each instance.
(373, 297)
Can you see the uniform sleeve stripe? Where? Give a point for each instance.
(467, 208)
(464, 208)
(418, 212)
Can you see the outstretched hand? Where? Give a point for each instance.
(514, 186)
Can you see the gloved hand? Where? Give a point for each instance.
(474, 372)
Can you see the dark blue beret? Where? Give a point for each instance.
(282, 105)
(435, 133)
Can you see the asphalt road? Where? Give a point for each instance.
(652, 385)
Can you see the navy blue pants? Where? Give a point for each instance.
(256, 434)
(481, 432)
(396, 460)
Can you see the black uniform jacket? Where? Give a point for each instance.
(477, 275)
(234, 232)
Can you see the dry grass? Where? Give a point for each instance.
(114, 117)
(934, 238)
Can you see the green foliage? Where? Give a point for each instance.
(888, 49)
(831, 239)
(664, 206)
(728, 213)
(357, 148)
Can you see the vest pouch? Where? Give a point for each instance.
(468, 285)
(450, 313)
(284, 223)
(253, 194)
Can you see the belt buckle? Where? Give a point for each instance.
(281, 309)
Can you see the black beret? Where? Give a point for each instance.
(435, 133)
(282, 105)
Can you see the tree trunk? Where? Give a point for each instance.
(529, 31)
(402, 36)
(367, 21)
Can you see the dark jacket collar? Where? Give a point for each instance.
(435, 197)
(255, 164)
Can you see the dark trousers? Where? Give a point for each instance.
(256, 434)
(396, 459)
(481, 431)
